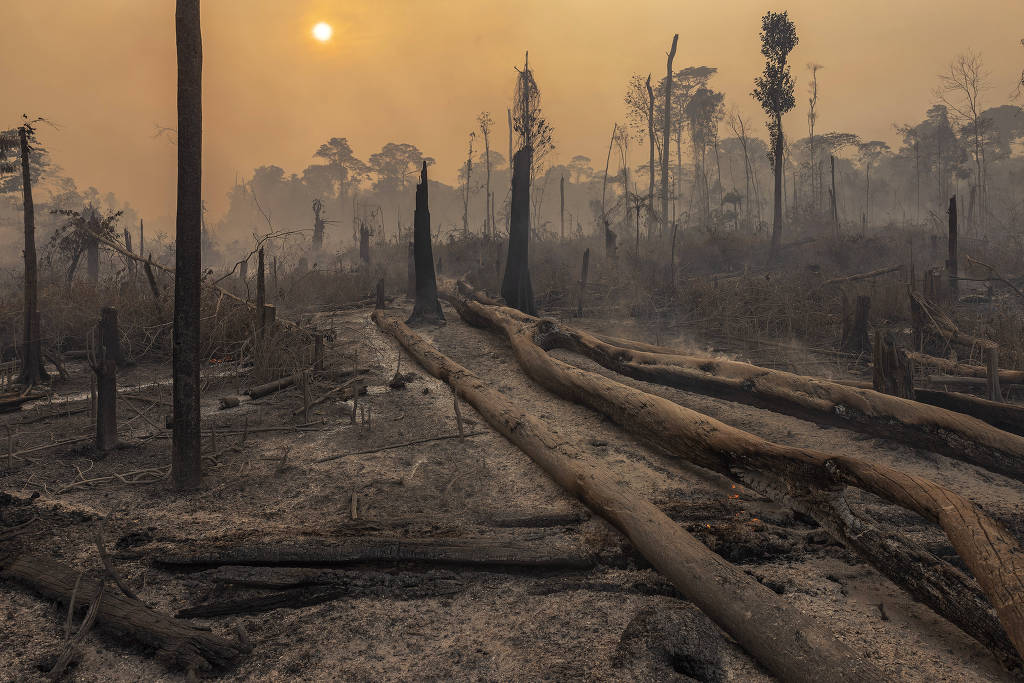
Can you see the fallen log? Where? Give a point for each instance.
(915, 423)
(862, 276)
(952, 367)
(480, 552)
(270, 387)
(961, 381)
(794, 475)
(176, 641)
(1005, 416)
(788, 643)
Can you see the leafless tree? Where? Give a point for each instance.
(186, 462)
(960, 90)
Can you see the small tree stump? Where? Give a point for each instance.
(992, 361)
(105, 367)
(893, 371)
(855, 330)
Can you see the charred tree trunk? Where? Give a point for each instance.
(515, 287)
(832, 197)
(364, 244)
(108, 349)
(951, 257)
(855, 326)
(186, 461)
(142, 238)
(583, 282)
(180, 642)
(610, 243)
(111, 336)
(893, 371)
(427, 307)
(650, 167)
(561, 206)
(32, 371)
(776, 245)
(410, 285)
(261, 292)
(776, 634)
(665, 135)
(318, 227)
(148, 266)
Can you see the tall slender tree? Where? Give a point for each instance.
(186, 462)
(486, 123)
(650, 163)
(774, 91)
(32, 360)
(666, 135)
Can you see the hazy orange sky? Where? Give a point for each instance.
(420, 72)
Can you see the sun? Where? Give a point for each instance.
(323, 31)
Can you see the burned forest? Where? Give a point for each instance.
(682, 343)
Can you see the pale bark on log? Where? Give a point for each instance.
(953, 434)
(176, 641)
(952, 367)
(785, 641)
(989, 551)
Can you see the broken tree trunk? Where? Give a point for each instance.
(261, 293)
(110, 333)
(951, 256)
(105, 367)
(270, 387)
(148, 266)
(186, 458)
(855, 329)
(32, 371)
(583, 282)
(992, 363)
(410, 284)
(990, 552)
(952, 367)
(427, 307)
(515, 287)
(364, 244)
(786, 642)
(177, 641)
(893, 372)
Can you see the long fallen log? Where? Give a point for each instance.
(915, 423)
(952, 367)
(786, 642)
(786, 473)
(176, 641)
(862, 276)
(454, 551)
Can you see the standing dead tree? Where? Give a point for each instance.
(186, 459)
(427, 307)
(105, 352)
(486, 123)
(666, 135)
(534, 137)
(32, 371)
(318, 226)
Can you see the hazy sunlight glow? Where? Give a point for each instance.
(322, 32)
